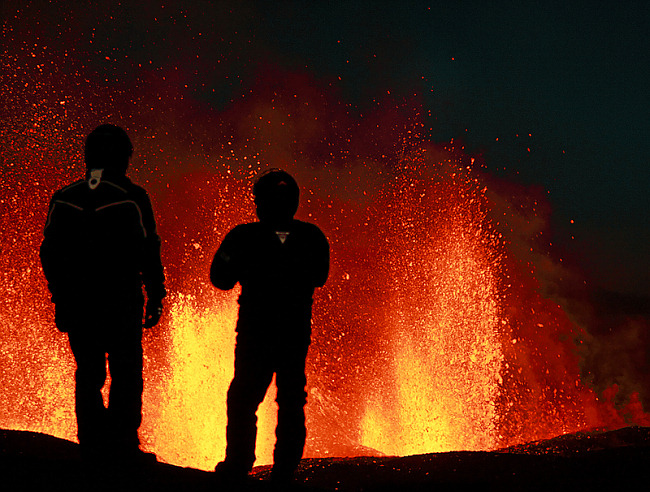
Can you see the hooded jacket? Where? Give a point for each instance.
(101, 244)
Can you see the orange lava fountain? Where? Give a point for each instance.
(431, 334)
(443, 319)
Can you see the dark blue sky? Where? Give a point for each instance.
(573, 75)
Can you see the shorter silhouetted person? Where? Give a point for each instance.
(278, 261)
(100, 248)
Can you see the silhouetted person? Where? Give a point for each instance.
(278, 261)
(100, 248)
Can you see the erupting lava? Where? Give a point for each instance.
(430, 335)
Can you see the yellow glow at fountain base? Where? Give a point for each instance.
(446, 358)
(190, 428)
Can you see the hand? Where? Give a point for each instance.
(152, 314)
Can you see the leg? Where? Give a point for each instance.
(90, 377)
(253, 376)
(290, 431)
(125, 400)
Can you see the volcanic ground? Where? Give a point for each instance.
(597, 460)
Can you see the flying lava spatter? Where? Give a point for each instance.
(430, 335)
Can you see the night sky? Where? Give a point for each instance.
(546, 94)
(548, 101)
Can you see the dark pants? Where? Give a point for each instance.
(92, 339)
(257, 358)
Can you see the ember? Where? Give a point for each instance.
(431, 334)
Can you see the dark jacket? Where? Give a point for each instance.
(101, 244)
(272, 274)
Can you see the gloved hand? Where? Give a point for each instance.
(152, 313)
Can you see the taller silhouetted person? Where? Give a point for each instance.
(100, 248)
(278, 261)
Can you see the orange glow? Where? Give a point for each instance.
(432, 333)
(446, 365)
(192, 394)
(445, 329)
(421, 344)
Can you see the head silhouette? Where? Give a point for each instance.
(276, 197)
(108, 147)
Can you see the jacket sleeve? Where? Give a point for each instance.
(223, 271)
(153, 276)
(321, 259)
(48, 254)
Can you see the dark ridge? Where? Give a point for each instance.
(594, 461)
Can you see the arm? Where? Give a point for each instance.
(46, 252)
(321, 259)
(153, 276)
(55, 253)
(55, 261)
(223, 271)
